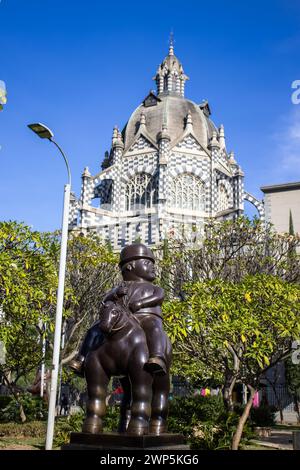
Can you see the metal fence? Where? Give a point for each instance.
(281, 398)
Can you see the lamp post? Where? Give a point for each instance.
(42, 329)
(44, 133)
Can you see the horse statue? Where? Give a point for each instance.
(124, 353)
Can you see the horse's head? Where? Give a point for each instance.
(112, 317)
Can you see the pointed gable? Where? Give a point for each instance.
(141, 143)
(188, 143)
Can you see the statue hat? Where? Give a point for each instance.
(135, 251)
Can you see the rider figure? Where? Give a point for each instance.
(143, 299)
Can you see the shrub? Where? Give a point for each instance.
(4, 401)
(111, 419)
(205, 436)
(205, 422)
(264, 415)
(64, 426)
(32, 429)
(34, 408)
(73, 423)
(203, 407)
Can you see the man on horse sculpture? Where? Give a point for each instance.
(143, 299)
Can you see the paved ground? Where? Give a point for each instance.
(279, 439)
(289, 417)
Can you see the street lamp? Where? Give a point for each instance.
(44, 133)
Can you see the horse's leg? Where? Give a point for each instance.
(97, 382)
(160, 400)
(125, 405)
(141, 388)
(160, 407)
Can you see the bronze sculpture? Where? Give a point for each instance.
(129, 341)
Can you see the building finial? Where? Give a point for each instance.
(231, 158)
(117, 140)
(142, 120)
(214, 143)
(164, 133)
(115, 134)
(86, 172)
(170, 77)
(222, 136)
(120, 137)
(189, 122)
(171, 43)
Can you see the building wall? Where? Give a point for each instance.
(278, 204)
(150, 226)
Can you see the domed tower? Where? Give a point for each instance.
(168, 169)
(170, 77)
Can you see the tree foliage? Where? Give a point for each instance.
(239, 329)
(233, 301)
(92, 269)
(28, 286)
(28, 283)
(255, 319)
(228, 250)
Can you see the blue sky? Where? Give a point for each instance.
(82, 67)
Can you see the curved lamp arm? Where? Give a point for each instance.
(64, 157)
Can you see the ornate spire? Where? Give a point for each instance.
(214, 143)
(164, 134)
(117, 139)
(222, 137)
(189, 122)
(86, 172)
(142, 121)
(115, 134)
(171, 43)
(231, 158)
(119, 142)
(170, 77)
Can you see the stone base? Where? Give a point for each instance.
(115, 441)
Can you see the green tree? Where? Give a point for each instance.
(238, 329)
(228, 250)
(92, 270)
(28, 283)
(3, 94)
(291, 224)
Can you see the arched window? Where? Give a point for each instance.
(165, 82)
(187, 192)
(140, 190)
(174, 80)
(223, 198)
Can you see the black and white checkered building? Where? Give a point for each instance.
(167, 171)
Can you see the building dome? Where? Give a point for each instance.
(172, 110)
(169, 108)
(166, 174)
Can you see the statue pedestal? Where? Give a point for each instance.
(115, 441)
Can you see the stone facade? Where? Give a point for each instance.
(168, 170)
